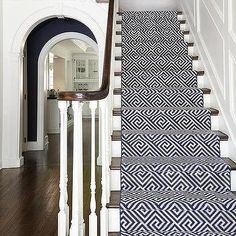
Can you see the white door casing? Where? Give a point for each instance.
(42, 88)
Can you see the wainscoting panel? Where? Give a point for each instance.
(232, 19)
(135, 5)
(232, 77)
(219, 7)
(210, 33)
(212, 23)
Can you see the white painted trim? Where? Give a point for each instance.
(9, 164)
(39, 144)
(50, 12)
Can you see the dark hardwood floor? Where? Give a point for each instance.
(29, 195)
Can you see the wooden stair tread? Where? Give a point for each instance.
(116, 135)
(120, 44)
(117, 91)
(119, 22)
(116, 161)
(199, 73)
(178, 13)
(118, 58)
(114, 234)
(185, 32)
(214, 112)
(115, 199)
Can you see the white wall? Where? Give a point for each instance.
(1, 98)
(213, 24)
(67, 55)
(20, 17)
(133, 5)
(59, 71)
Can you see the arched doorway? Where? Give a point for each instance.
(66, 64)
(40, 41)
(11, 153)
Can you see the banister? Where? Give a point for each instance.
(103, 91)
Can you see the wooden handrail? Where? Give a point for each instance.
(103, 91)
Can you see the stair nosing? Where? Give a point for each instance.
(119, 22)
(185, 32)
(116, 135)
(119, 58)
(199, 73)
(113, 233)
(190, 44)
(115, 199)
(116, 162)
(117, 91)
(214, 112)
(178, 13)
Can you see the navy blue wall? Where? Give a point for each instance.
(35, 42)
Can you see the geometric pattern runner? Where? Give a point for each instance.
(170, 173)
(174, 181)
(165, 97)
(174, 79)
(156, 63)
(173, 144)
(156, 36)
(166, 119)
(155, 48)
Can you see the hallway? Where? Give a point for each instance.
(29, 195)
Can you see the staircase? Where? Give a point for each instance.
(172, 175)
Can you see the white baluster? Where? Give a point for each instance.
(100, 154)
(104, 211)
(63, 215)
(77, 223)
(108, 146)
(93, 216)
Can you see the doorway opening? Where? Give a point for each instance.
(65, 37)
(71, 65)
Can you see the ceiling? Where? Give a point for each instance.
(75, 46)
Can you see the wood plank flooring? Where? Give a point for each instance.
(29, 195)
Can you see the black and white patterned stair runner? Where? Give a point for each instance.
(173, 180)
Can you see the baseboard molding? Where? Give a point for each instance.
(16, 163)
(99, 161)
(34, 146)
(53, 131)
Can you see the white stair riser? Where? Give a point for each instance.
(117, 100)
(114, 219)
(116, 148)
(201, 81)
(116, 121)
(115, 180)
